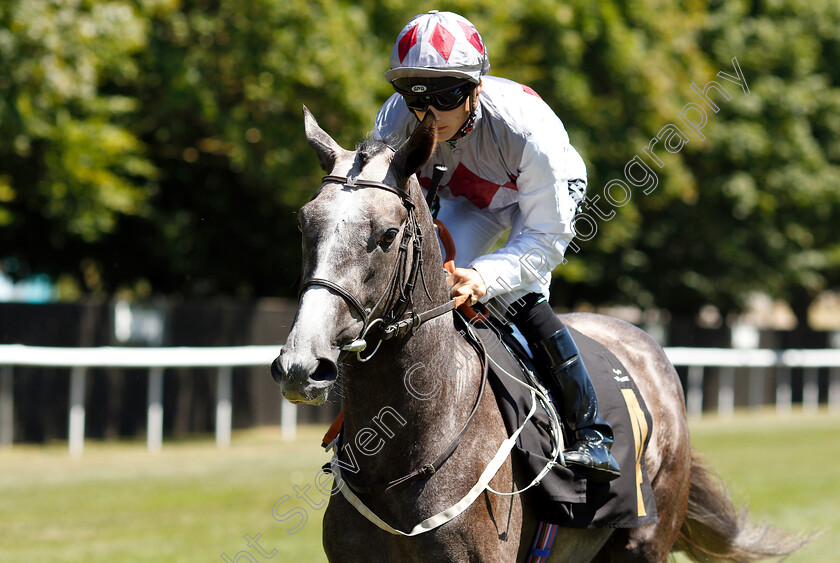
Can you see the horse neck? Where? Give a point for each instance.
(423, 385)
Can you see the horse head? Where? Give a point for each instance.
(354, 254)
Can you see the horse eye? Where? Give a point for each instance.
(388, 238)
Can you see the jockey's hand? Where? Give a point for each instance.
(466, 281)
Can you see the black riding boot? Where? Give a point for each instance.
(593, 435)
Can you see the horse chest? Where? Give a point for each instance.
(489, 530)
(348, 537)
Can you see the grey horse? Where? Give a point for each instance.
(402, 408)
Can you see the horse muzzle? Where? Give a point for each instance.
(304, 381)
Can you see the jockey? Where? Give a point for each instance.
(509, 166)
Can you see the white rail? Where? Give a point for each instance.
(119, 357)
(79, 360)
(757, 362)
(153, 359)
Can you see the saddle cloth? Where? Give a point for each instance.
(564, 497)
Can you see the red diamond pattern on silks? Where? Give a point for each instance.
(472, 37)
(407, 42)
(466, 183)
(531, 91)
(442, 41)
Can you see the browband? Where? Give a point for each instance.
(370, 184)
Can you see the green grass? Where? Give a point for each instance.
(785, 470)
(190, 502)
(193, 502)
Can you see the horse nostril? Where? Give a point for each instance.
(326, 371)
(277, 371)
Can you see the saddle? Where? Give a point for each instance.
(564, 497)
(558, 495)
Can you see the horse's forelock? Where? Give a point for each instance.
(367, 150)
(371, 147)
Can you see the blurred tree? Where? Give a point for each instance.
(750, 207)
(225, 82)
(70, 166)
(775, 160)
(615, 73)
(161, 141)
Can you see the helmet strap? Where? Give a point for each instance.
(470, 122)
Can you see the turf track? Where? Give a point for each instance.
(193, 502)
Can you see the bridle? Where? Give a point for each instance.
(391, 326)
(394, 321)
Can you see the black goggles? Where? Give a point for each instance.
(420, 96)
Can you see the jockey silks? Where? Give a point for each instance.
(515, 169)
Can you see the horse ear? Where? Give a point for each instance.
(419, 148)
(325, 147)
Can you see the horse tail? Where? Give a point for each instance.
(714, 528)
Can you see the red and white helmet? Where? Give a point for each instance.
(439, 44)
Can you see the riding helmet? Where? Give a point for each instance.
(439, 44)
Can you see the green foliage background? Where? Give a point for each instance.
(156, 146)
